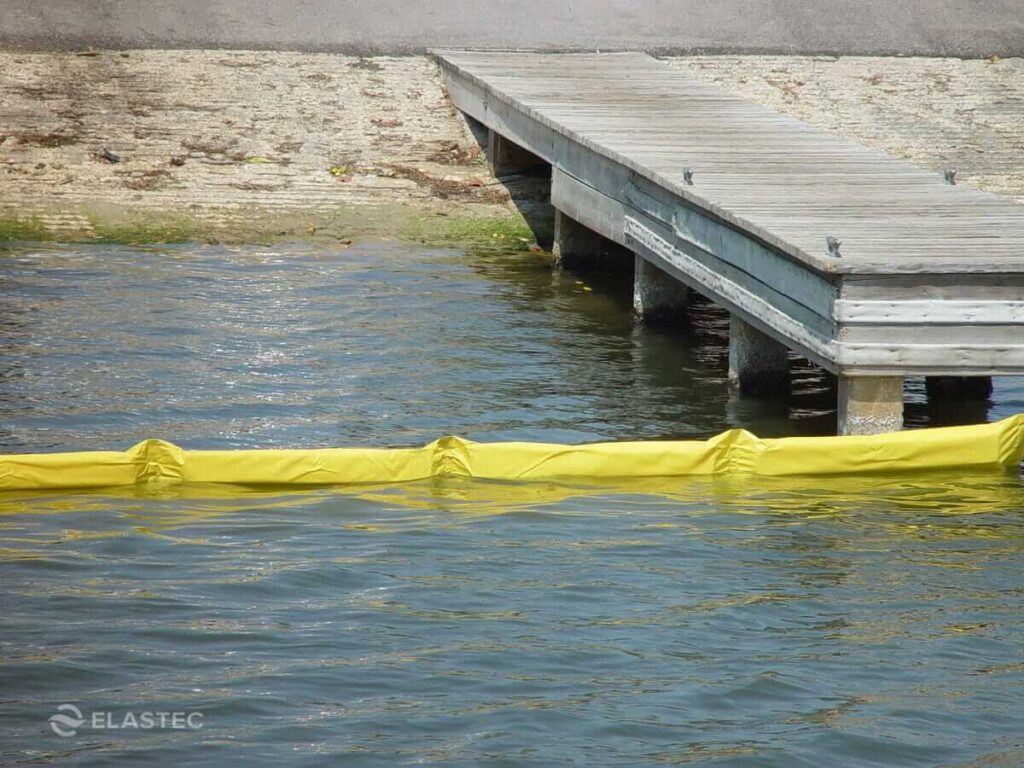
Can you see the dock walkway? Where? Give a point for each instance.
(864, 264)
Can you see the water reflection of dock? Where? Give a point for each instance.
(870, 267)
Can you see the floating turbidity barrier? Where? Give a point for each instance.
(993, 447)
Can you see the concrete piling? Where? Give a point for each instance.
(758, 364)
(657, 296)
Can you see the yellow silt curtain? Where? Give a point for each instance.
(993, 447)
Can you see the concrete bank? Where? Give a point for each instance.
(159, 145)
(233, 145)
(868, 27)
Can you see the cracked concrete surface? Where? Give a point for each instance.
(237, 143)
(253, 145)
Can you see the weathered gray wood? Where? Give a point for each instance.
(605, 215)
(768, 174)
(587, 206)
(949, 336)
(767, 265)
(737, 201)
(656, 244)
(930, 311)
(943, 288)
(912, 359)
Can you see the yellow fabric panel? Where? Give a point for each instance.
(981, 446)
(95, 469)
(324, 466)
(985, 447)
(524, 461)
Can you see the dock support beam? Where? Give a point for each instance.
(657, 296)
(758, 364)
(870, 405)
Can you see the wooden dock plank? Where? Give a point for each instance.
(749, 162)
(737, 201)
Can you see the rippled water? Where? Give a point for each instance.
(861, 622)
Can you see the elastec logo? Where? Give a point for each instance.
(68, 723)
(69, 720)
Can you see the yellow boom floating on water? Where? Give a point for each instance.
(985, 447)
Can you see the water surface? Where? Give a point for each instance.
(695, 622)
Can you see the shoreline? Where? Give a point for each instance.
(156, 146)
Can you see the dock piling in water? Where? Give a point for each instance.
(657, 296)
(870, 404)
(758, 364)
(865, 265)
(506, 157)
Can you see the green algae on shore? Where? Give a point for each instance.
(28, 228)
(511, 233)
(144, 229)
(456, 229)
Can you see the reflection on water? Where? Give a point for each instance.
(713, 621)
(458, 622)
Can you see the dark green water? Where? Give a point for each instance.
(727, 623)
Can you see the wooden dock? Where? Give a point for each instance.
(868, 266)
